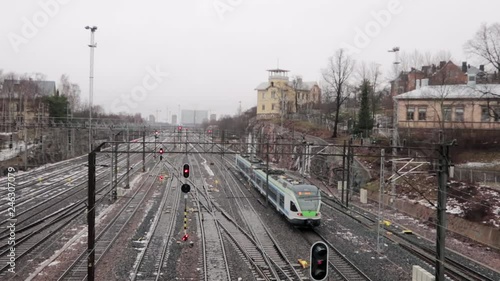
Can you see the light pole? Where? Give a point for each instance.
(91, 78)
(394, 50)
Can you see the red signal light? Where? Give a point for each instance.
(161, 151)
(179, 128)
(161, 177)
(185, 237)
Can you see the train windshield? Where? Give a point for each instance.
(308, 199)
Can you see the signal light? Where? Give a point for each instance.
(161, 178)
(319, 261)
(185, 237)
(179, 128)
(161, 151)
(185, 188)
(185, 170)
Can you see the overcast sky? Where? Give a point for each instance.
(210, 54)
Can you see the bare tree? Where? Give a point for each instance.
(336, 76)
(71, 91)
(297, 85)
(442, 55)
(486, 44)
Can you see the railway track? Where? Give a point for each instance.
(214, 258)
(151, 259)
(454, 269)
(258, 245)
(106, 237)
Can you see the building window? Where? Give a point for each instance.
(447, 113)
(410, 112)
(273, 94)
(459, 114)
(263, 107)
(272, 106)
(422, 113)
(496, 114)
(485, 114)
(263, 95)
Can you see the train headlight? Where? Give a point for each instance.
(299, 214)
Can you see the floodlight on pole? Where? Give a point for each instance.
(91, 80)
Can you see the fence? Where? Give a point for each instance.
(476, 176)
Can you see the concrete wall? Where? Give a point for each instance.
(487, 235)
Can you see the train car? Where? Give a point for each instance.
(299, 202)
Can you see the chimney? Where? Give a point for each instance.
(471, 81)
(424, 82)
(481, 67)
(441, 64)
(464, 66)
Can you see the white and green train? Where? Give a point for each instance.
(300, 203)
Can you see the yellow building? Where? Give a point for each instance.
(281, 97)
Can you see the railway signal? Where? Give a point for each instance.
(161, 177)
(185, 170)
(161, 153)
(185, 188)
(319, 261)
(185, 237)
(157, 134)
(179, 128)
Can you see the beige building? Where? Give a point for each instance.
(466, 106)
(21, 102)
(280, 96)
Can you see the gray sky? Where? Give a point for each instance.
(211, 54)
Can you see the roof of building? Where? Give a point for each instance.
(303, 86)
(461, 91)
(42, 88)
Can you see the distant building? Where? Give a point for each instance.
(21, 102)
(213, 117)
(174, 119)
(193, 117)
(151, 118)
(279, 96)
(446, 73)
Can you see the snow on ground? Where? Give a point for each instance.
(7, 153)
(478, 164)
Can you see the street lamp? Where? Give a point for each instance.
(91, 78)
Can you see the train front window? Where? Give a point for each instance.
(293, 208)
(308, 200)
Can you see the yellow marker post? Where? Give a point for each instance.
(303, 263)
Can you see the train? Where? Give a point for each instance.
(299, 202)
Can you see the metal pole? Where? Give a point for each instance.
(395, 125)
(343, 170)
(111, 170)
(25, 148)
(115, 185)
(144, 150)
(380, 238)
(91, 82)
(128, 159)
(349, 165)
(441, 212)
(91, 216)
(267, 174)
